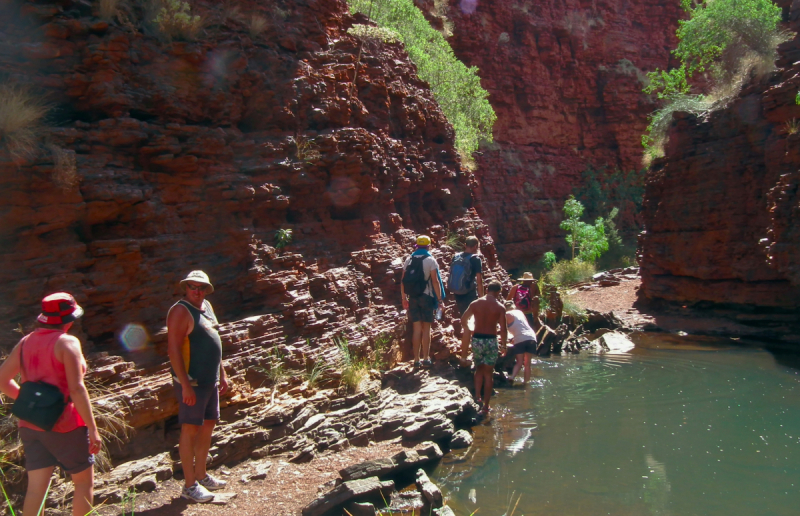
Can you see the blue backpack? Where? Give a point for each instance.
(460, 279)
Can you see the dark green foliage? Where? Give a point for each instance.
(601, 191)
(456, 87)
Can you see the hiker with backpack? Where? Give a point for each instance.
(422, 292)
(465, 281)
(525, 296)
(56, 422)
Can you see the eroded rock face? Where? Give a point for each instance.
(192, 154)
(565, 80)
(720, 207)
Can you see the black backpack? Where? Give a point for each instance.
(414, 282)
(38, 403)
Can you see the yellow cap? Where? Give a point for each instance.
(423, 240)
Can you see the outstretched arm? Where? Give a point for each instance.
(503, 333)
(510, 296)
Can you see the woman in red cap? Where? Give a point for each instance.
(50, 355)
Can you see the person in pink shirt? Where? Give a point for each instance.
(49, 354)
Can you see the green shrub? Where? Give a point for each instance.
(175, 21)
(283, 237)
(727, 38)
(455, 87)
(549, 260)
(354, 369)
(375, 33)
(570, 272)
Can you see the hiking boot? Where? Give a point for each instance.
(197, 493)
(427, 362)
(211, 483)
(416, 364)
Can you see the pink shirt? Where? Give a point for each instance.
(41, 366)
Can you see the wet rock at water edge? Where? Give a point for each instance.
(431, 492)
(351, 490)
(405, 460)
(461, 439)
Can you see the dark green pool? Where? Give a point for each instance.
(679, 426)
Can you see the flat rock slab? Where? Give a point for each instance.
(461, 439)
(348, 491)
(427, 452)
(222, 498)
(431, 492)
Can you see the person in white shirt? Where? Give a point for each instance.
(524, 340)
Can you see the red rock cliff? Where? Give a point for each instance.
(721, 207)
(191, 155)
(565, 80)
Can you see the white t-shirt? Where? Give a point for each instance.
(520, 328)
(428, 266)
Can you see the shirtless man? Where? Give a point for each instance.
(488, 312)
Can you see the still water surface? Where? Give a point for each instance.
(696, 428)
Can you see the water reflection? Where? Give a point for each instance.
(713, 430)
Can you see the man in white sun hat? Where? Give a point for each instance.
(195, 352)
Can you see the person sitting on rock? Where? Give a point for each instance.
(49, 355)
(555, 308)
(525, 296)
(468, 261)
(195, 352)
(421, 291)
(488, 313)
(524, 340)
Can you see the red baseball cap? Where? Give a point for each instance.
(59, 308)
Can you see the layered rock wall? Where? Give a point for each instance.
(565, 80)
(720, 207)
(182, 155)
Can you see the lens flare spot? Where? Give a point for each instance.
(134, 337)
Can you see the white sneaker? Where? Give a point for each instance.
(197, 493)
(211, 483)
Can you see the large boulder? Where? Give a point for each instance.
(354, 490)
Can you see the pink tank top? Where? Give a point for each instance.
(41, 366)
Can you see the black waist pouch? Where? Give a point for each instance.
(40, 404)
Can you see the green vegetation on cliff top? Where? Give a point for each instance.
(727, 40)
(455, 87)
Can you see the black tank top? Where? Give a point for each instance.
(202, 349)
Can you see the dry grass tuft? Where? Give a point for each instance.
(306, 149)
(65, 171)
(21, 115)
(174, 20)
(107, 10)
(257, 24)
(110, 418)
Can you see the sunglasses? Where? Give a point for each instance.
(199, 288)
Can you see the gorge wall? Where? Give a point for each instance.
(158, 157)
(565, 79)
(721, 206)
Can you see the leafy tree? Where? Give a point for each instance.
(455, 87)
(588, 239)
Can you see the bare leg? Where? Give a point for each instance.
(202, 444)
(38, 482)
(517, 367)
(487, 371)
(83, 498)
(426, 340)
(416, 339)
(528, 357)
(186, 449)
(478, 382)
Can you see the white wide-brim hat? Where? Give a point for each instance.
(197, 277)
